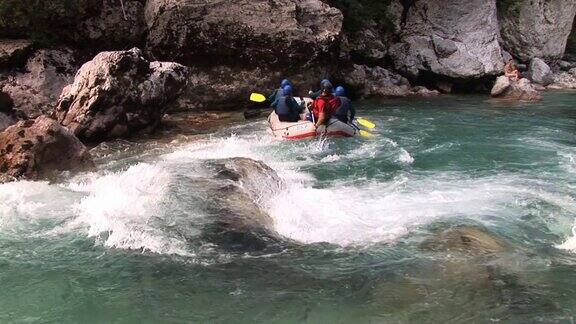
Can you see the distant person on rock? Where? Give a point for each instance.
(316, 94)
(511, 71)
(278, 92)
(286, 106)
(345, 112)
(325, 105)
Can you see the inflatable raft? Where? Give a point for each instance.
(305, 129)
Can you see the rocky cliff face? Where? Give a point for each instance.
(536, 28)
(449, 38)
(256, 33)
(377, 48)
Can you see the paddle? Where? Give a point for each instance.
(366, 134)
(366, 123)
(257, 97)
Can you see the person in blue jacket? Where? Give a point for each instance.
(345, 111)
(278, 92)
(286, 106)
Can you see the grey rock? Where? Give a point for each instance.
(537, 28)
(214, 32)
(33, 149)
(449, 39)
(119, 93)
(563, 80)
(425, 92)
(376, 82)
(467, 240)
(13, 51)
(566, 66)
(540, 72)
(502, 84)
(521, 90)
(36, 89)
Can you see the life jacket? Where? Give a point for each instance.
(282, 107)
(343, 110)
(330, 102)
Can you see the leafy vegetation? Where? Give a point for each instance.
(358, 12)
(508, 6)
(571, 46)
(44, 21)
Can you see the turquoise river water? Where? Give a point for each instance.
(352, 225)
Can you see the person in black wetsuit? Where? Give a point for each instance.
(345, 112)
(286, 106)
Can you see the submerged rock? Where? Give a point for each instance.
(119, 93)
(515, 90)
(450, 39)
(259, 33)
(466, 239)
(536, 28)
(35, 91)
(540, 72)
(33, 149)
(237, 197)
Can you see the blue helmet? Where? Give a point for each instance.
(340, 91)
(287, 89)
(285, 82)
(324, 82)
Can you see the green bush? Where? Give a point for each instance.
(43, 21)
(358, 12)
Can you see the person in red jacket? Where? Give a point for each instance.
(325, 105)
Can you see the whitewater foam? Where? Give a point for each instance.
(124, 209)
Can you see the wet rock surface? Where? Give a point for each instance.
(119, 93)
(33, 149)
(522, 89)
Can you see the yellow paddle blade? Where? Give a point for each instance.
(366, 134)
(257, 97)
(366, 123)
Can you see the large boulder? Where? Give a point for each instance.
(255, 33)
(536, 28)
(36, 89)
(376, 82)
(450, 39)
(118, 93)
(514, 90)
(540, 72)
(33, 149)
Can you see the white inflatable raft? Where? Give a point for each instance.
(305, 129)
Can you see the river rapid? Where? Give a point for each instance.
(353, 222)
